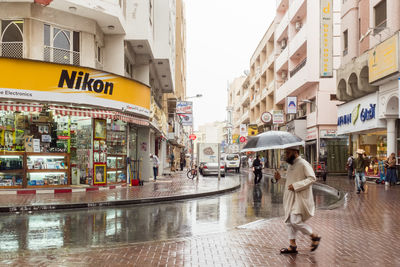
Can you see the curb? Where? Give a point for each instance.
(58, 190)
(52, 207)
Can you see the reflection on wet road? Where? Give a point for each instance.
(127, 224)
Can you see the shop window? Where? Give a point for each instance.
(380, 16)
(61, 46)
(11, 41)
(116, 152)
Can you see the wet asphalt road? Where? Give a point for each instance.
(129, 224)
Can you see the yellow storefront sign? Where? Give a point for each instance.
(383, 60)
(42, 81)
(235, 138)
(252, 130)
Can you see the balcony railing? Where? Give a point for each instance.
(298, 67)
(62, 56)
(12, 49)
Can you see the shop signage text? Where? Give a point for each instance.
(278, 117)
(383, 60)
(96, 85)
(266, 117)
(366, 114)
(50, 82)
(326, 29)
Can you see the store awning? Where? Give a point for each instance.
(99, 114)
(92, 113)
(21, 107)
(131, 119)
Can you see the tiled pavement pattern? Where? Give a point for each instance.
(164, 187)
(363, 232)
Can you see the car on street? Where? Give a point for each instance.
(232, 162)
(211, 168)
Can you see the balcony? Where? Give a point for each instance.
(298, 67)
(271, 87)
(294, 8)
(62, 56)
(245, 116)
(282, 26)
(172, 136)
(298, 41)
(282, 59)
(12, 49)
(245, 98)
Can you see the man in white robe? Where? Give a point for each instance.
(298, 200)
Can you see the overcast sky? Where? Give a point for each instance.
(221, 37)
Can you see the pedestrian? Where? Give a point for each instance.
(298, 201)
(349, 166)
(257, 169)
(171, 161)
(390, 164)
(359, 166)
(262, 161)
(156, 162)
(249, 161)
(182, 161)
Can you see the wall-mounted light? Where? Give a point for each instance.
(72, 8)
(111, 27)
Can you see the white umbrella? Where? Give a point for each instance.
(272, 140)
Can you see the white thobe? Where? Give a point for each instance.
(300, 201)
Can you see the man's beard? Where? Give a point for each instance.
(290, 159)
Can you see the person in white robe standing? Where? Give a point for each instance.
(298, 201)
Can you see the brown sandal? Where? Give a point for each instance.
(315, 242)
(290, 250)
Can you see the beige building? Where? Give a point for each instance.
(177, 134)
(368, 77)
(131, 41)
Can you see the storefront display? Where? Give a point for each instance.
(116, 154)
(100, 151)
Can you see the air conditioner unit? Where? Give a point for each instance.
(283, 74)
(283, 43)
(298, 25)
(300, 113)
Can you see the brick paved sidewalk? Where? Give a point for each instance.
(364, 232)
(166, 188)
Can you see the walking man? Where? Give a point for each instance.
(257, 169)
(350, 167)
(298, 201)
(156, 162)
(359, 165)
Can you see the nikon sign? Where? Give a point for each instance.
(42, 81)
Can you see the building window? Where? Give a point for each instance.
(99, 57)
(312, 105)
(61, 46)
(345, 42)
(12, 38)
(128, 68)
(380, 16)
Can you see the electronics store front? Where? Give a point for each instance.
(45, 142)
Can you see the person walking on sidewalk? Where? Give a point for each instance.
(156, 162)
(182, 161)
(257, 169)
(298, 201)
(350, 166)
(359, 166)
(390, 164)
